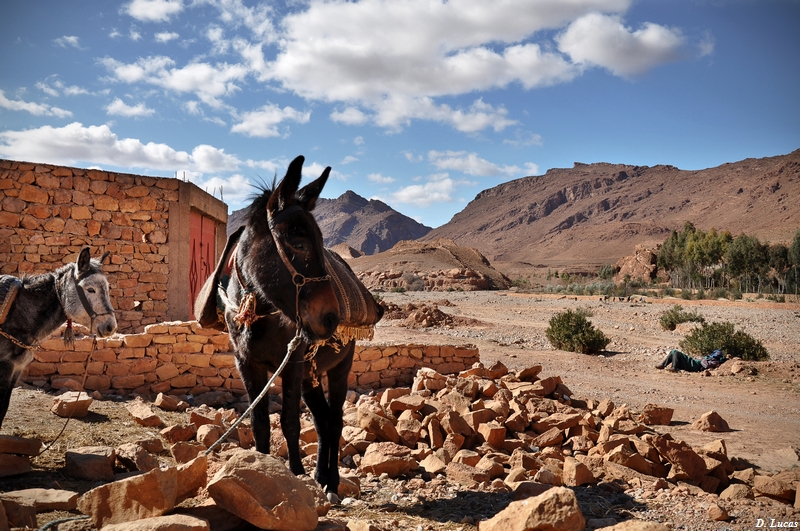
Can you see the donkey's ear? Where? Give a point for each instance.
(283, 196)
(84, 261)
(105, 255)
(307, 196)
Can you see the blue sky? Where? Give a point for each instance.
(419, 103)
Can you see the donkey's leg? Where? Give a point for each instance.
(255, 378)
(328, 419)
(8, 378)
(290, 413)
(314, 397)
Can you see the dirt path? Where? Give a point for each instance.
(762, 409)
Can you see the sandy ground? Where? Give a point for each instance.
(763, 410)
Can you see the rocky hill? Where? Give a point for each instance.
(594, 214)
(368, 226)
(439, 265)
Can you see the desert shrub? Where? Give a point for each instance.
(712, 336)
(572, 331)
(675, 316)
(686, 294)
(719, 293)
(413, 282)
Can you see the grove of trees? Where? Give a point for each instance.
(696, 259)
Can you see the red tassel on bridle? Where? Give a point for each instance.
(69, 334)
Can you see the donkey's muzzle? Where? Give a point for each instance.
(107, 328)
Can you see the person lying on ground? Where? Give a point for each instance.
(678, 361)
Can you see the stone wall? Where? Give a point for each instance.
(183, 358)
(48, 213)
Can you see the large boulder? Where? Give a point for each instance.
(260, 489)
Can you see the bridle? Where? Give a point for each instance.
(247, 309)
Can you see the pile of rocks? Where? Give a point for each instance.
(423, 315)
(518, 436)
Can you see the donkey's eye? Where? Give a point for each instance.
(90, 290)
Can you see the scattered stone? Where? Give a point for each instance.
(72, 404)
(653, 414)
(13, 465)
(183, 452)
(134, 498)
(10, 444)
(168, 402)
(773, 488)
(19, 513)
(173, 522)
(555, 509)
(387, 458)
(179, 433)
(717, 513)
(133, 457)
(143, 414)
(45, 499)
(95, 463)
(711, 421)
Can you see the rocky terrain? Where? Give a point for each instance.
(629, 442)
(439, 265)
(594, 214)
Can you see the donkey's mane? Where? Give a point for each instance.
(259, 199)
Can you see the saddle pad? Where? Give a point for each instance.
(357, 306)
(8, 292)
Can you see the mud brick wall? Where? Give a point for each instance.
(183, 358)
(48, 213)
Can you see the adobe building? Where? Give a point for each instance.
(164, 235)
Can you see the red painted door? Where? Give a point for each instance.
(203, 235)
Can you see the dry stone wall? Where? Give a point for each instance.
(183, 358)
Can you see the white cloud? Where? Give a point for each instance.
(359, 141)
(531, 168)
(75, 143)
(470, 164)
(36, 109)
(257, 19)
(348, 160)
(350, 116)
(135, 35)
(410, 157)
(166, 36)
(235, 190)
(524, 138)
(380, 179)
(440, 190)
(154, 10)
(457, 47)
(209, 82)
(68, 41)
(395, 112)
(47, 89)
(120, 108)
(264, 121)
(602, 40)
(114, 33)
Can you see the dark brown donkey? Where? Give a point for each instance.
(283, 288)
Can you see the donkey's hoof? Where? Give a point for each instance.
(333, 498)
